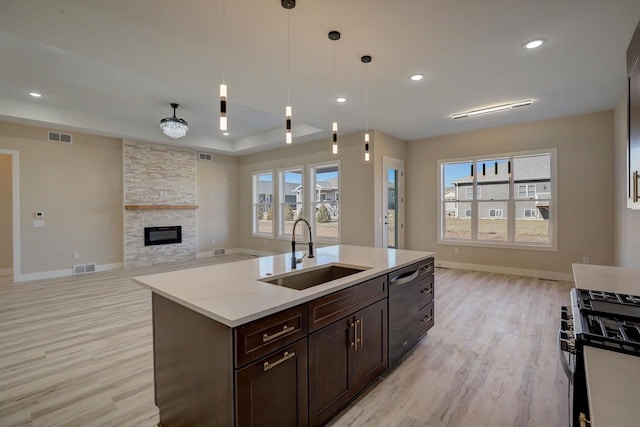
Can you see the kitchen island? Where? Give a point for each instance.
(231, 349)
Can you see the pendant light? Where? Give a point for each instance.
(174, 127)
(288, 137)
(366, 59)
(223, 86)
(334, 36)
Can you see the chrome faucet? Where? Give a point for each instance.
(295, 261)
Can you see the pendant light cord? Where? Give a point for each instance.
(335, 107)
(366, 95)
(223, 39)
(288, 57)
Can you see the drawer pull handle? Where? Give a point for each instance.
(361, 332)
(355, 336)
(636, 197)
(427, 319)
(285, 357)
(285, 330)
(358, 340)
(427, 291)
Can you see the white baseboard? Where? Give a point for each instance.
(6, 271)
(539, 274)
(28, 277)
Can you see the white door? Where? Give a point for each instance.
(392, 203)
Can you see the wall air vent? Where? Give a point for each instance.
(205, 156)
(64, 138)
(84, 269)
(218, 252)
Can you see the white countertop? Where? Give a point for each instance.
(613, 379)
(232, 294)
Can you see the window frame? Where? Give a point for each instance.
(281, 198)
(512, 243)
(311, 197)
(255, 232)
(495, 213)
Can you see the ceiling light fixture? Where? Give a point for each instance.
(288, 137)
(341, 99)
(492, 109)
(334, 36)
(417, 77)
(366, 59)
(532, 44)
(225, 133)
(223, 86)
(35, 94)
(174, 127)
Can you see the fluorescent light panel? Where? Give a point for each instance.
(492, 109)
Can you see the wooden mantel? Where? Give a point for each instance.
(158, 207)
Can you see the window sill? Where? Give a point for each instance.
(500, 245)
(263, 236)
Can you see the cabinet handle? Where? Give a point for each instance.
(285, 330)
(285, 357)
(426, 291)
(361, 332)
(404, 278)
(636, 197)
(358, 341)
(427, 319)
(355, 335)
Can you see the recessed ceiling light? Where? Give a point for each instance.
(492, 109)
(341, 99)
(534, 44)
(35, 94)
(417, 77)
(225, 133)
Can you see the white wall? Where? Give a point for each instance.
(218, 197)
(627, 221)
(585, 199)
(6, 213)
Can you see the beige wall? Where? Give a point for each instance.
(217, 188)
(79, 188)
(356, 192)
(6, 215)
(627, 221)
(585, 180)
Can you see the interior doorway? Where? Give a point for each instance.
(9, 215)
(393, 203)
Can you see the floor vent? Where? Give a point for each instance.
(205, 156)
(64, 138)
(218, 252)
(84, 269)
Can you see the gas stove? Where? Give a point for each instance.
(606, 320)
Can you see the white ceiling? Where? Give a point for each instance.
(112, 67)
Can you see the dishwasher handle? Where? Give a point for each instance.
(404, 278)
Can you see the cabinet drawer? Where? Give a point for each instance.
(426, 318)
(426, 268)
(337, 305)
(426, 290)
(262, 336)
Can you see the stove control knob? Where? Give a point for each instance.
(567, 325)
(566, 313)
(567, 345)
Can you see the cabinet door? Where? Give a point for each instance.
(272, 392)
(370, 354)
(330, 365)
(633, 68)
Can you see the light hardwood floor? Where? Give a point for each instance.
(77, 351)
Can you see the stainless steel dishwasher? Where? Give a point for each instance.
(411, 293)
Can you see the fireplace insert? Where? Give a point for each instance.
(162, 235)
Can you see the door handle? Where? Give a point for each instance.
(358, 339)
(636, 197)
(361, 332)
(284, 358)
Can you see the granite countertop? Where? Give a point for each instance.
(233, 294)
(612, 378)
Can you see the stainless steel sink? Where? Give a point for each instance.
(309, 278)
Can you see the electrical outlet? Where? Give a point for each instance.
(76, 255)
(38, 224)
(585, 260)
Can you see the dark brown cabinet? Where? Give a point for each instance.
(273, 391)
(344, 358)
(633, 70)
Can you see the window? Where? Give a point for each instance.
(526, 191)
(325, 207)
(291, 200)
(516, 207)
(262, 204)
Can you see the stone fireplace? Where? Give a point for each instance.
(160, 191)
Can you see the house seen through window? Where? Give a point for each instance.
(504, 200)
(263, 203)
